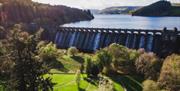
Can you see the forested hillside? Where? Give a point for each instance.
(26, 11)
(160, 8)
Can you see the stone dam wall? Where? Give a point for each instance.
(161, 42)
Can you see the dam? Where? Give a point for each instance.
(162, 42)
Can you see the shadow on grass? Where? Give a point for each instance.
(81, 89)
(93, 81)
(128, 82)
(55, 64)
(78, 59)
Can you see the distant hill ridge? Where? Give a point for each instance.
(119, 10)
(160, 8)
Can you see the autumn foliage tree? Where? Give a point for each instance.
(148, 65)
(150, 85)
(170, 73)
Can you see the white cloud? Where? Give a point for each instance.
(99, 4)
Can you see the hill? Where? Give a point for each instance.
(95, 11)
(119, 10)
(160, 8)
(27, 11)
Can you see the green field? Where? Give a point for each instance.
(66, 64)
(66, 82)
(1, 88)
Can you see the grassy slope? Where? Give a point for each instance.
(72, 65)
(129, 82)
(1, 88)
(66, 82)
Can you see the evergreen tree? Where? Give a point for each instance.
(27, 71)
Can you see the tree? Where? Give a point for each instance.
(123, 58)
(91, 68)
(148, 65)
(5, 65)
(119, 54)
(117, 51)
(104, 61)
(49, 53)
(48, 50)
(2, 33)
(72, 51)
(150, 85)
(27, 70)
(170, 73)
(88, 65)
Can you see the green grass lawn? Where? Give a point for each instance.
(66, 82)
(129, 82)
(1, 88)
(69, 64)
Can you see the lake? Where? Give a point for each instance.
(128, 22)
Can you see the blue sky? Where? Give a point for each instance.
(99, 4)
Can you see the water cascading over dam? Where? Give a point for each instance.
(91, 39)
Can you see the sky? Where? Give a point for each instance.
(99, 4)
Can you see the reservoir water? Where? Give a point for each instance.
(128, 22)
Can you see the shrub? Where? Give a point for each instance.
(91, 68)
(49, 54)
(88, 65)
(150, 85)
(78, 78)
(105, 84)
(104, 61)
(133, 56)
(170, 73)
(141, 51)
(47, 51)
(72, 51)
(148, 65)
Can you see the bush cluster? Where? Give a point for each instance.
(158, 74)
